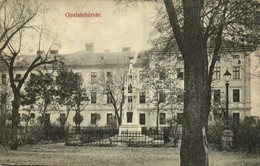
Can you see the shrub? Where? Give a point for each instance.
(91, 134)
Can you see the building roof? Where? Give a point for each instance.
(106, 59)
(84, 59)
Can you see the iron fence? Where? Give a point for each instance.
(111, 137)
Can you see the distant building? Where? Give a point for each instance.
(114, 67)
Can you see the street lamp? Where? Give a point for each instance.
(227, 134)
(227, 77)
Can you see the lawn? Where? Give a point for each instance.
(58, 154)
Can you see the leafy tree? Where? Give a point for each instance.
(16, 17)
(39, 93)
(72, 94)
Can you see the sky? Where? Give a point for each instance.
(116, 28)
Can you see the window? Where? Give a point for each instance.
(109, 101)
(130, 104)
(236, 72)
(162, 96)
(235, 56)
(141, 76)
(109, 77)
(93, 77)
(49, 74)
(4, 79)
(32, 115)
(32, 75)
(142, 118)
(180, 74)
(94, 118)
(180, 58)
(179, 118)
(25, 117)
(236, 118)
(93, 97)
(47, 118)
(216, 95)
(18, 77)
(179, 98)
(130, 88)
(129, 117)
(109, 118)
(162, 75)
(162, 118)
(130, 99)
(217, 73)
(62, 118)
(236, 95)
(3, 98)
(141, 97)
(19, 118)
(32, 118)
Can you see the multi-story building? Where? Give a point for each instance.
(156, 87)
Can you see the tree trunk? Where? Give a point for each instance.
(15, 121)
(194, 143)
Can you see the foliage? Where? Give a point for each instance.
(71, 93)
(39, 93)
(111, 86)
(196, 26)
(160, 80)
(77, 119)
(112, 122)
(91, 134)
(248, 134)
(16, 17)
(214, 132)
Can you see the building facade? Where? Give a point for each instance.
(156, 87)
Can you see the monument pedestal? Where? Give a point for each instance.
(129, 128)
(227, 139)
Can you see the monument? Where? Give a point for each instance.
(130, 115)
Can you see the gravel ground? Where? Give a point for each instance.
(58, 154)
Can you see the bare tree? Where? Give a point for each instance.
(161, 80)
(17, 15)
(111, 84)
(200, 30)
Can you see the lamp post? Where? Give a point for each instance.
(227, 77)
(227, 134)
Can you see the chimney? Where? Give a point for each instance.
(53, 52)
(126, 49)
(40, 52)
(89, 47)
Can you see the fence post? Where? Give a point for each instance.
(129, 142)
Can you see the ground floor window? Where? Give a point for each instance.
(109, 118)
(94, 118)
(162, 118)
(142, 118)
(236, 118)
(179, 118)
(129, 117)
(62, 118)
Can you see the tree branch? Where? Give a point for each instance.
(175, 25)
